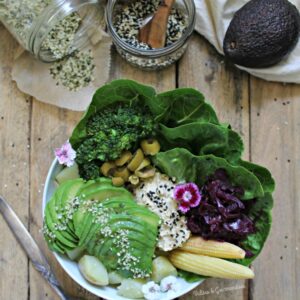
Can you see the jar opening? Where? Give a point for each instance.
(114, 5)
(86, 21)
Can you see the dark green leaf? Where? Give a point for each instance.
(260, 212)
(190, 277)
(185, 166)
(262, 174)
(203, 138)
(182, 106)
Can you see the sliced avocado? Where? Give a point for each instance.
(54, 217)
(87, 226)
(71, 190)
(262, 33)
(94, 230)
(146, 215)
(132, 224)
(93, 184)
(61, 236)
(84, 217)
(102, 193)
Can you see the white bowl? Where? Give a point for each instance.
(71, 267)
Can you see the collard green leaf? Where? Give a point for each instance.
(185, 166)
(262, 174)
(190, 277)
(115, 92)
(260, 212)
(203, 138)
(182, 106)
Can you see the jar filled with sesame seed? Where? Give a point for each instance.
(52, 29)
(125, 21)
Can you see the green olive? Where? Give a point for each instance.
(147, 172)
(122, 172)
(118, 181)
(134, 180)
(145, 163)
(107, 167)
(136, 160)
(125, 158)
(150, 146)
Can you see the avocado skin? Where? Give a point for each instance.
(262, 33)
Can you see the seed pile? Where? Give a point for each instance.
(75, 71)
(130, 19)
(20, 15)
(61, 37)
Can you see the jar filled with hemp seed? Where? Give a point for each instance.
(52, 29)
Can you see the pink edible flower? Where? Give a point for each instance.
(66, 154)
(187, 195)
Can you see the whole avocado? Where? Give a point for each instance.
(262, 32)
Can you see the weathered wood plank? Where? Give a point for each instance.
(227, 89)
(275, 143)
(15, 110)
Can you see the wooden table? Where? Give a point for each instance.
(266, 114)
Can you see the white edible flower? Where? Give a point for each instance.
(151, 291)
(170, 285)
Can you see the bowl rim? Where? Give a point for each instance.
(60, 259)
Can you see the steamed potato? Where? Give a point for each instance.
(131, 288)
(75, 254)
(114, 278)
(67, 174)
(161, 268)
(93, 270)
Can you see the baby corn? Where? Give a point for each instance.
(198, 245)
(209, 266)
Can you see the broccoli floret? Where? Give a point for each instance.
(89, 170)
(112, 131)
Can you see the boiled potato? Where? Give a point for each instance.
(75, 254)
(161, 268)
(131, 288)
(114, 278)
(67, 174)
(93, 270)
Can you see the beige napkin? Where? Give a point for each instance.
(33, 78)
(213, 18)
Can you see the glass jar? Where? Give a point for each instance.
(150, 59)
(33, 24)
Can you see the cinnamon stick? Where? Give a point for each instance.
(155, 31)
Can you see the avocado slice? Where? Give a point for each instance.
(55, 217)
(97, 193)
(92, 185)
(262, 33)
(146, 215)
(103, 192)
(51, 221)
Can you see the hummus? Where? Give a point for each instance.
(157, 194)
